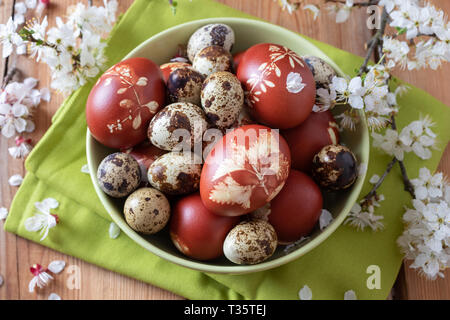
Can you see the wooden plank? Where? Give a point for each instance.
(17, 255)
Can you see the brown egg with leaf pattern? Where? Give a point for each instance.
(123, 101)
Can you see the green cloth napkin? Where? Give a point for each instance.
(337, 265)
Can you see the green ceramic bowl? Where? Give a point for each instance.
(160, 48)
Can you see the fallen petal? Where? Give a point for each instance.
(15, 180)
(350, 295)
(3, 213)
(114, 230)
(305, 293)
(56, 266)
(54, 296)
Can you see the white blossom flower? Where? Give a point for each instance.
(15, 180)
(362, 215)
(56, 266)
(388, 4)
(44, 220)
(22, 148)
(350, 295)
(396, 50)
(41, 277)
(350, 91)
(348, 119)
(428, 186)
(9, 38)
(342, 12)
(426, 236)
(54, 296)
(3, 213)
(13, 119)
(419, 138)
(325, 219)
(325, 100)
(390, 143)
(288, 5)
(19, 12)
(305, 293)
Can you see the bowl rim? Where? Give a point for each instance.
(234, 269)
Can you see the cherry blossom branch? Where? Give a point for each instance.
(376, 48)
(11, 73)
(374, 43)
(357, 5)
(406, 182)
(374, 189)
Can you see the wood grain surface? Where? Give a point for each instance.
(17, 254)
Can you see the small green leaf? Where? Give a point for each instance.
(400, 30)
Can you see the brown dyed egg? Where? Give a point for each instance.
(147, 210)
(212, 59)
(184, 85)
(323, 73)
(305, 140)
(335, 167)
(178, 126)
(279, 87)
(250, 242)
(176, 173)
(118, 175)
(168, 68)
(222, 99)
(145, 153)
(218, 34)
(123, 101)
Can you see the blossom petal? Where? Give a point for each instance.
(305, 293)
(56, 266)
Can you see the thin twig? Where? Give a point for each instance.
(375, 41)
(406, 182)
(5, 71)
(90, 3)
(373, 191)
(357, 5)
(9, 77)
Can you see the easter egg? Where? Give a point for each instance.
(123, 101)
(279, 85)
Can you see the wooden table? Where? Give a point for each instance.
(17, 254)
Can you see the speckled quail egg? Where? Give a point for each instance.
(118, 174)
(335, 167)
(147, 210)
(176, 173)
(212, 59)
(323, 73)
(184, 85)
(250, 242)
(222, 99)
(169, 67)
(212, 34)
(178, 126)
